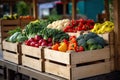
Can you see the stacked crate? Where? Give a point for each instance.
(77, 65)
(109, 37)
(7, 25)
(72, 65)
(12, 52)
(24, 22)
(33, 57)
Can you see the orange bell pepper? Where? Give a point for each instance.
(55, 46)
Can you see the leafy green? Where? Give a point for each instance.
(35, 27)
(57, 35)
(18, 29)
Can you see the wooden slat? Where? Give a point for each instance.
(32, 63)
(10, 22)
(112, 64)
(57, 69)
(116, 12)
(90, 70)
(4, 35)
(112, 51)
(108, 37)
(7, 28)
(89, 56)
(57, 56)
(118, 51)
(32, 51)
(10, 57)
(23, 23)
(10, 46)
(37, 74)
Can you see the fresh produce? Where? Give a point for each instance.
(17, 37)
(53, 17)
(72, 43)
(18, 29)
(34, 27)
(91, 41)
(38, 41)
(105, 27)
(26, 17)
(79, 25)
(55, 46)
(10, 17)
(63, 47)
(59, 24)
(66, 45)
(57, 35)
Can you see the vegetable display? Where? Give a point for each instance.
(79, 25)
(10, 17)
(26, 17)
(59, 24)
(105, 27)
(34, 27)
(38, 41)
(44, 33)
(91, 41)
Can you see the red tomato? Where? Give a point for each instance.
(66, 41)
(79, 49)
(71, 37)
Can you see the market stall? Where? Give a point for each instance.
(69, 49)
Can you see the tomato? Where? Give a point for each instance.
(79, 28)
(68, 27)
(79, 49)
(66, 41)
(71, 37)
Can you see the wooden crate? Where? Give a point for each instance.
(12, 52)
(23, 22)
(7, 25)
(10, 22)
(112, 57)
(108, 37)
(72, 65)
(33, 57)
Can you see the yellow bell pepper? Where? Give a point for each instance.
(62, 47)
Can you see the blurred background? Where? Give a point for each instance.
(85, 8)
